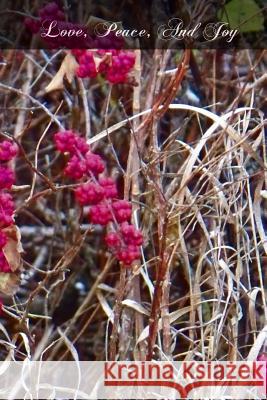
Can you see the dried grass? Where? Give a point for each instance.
(196, 174)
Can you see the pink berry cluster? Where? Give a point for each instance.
(100, 193)
(8, 151)
(115, 65)
(50, 12)
(53, 19)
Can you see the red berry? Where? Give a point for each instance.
(65, 141)
(129, 255)
(8, 150)
(94, 163)
(116, 64)
(70, 142)
(51, 11)
(6, 203)
(122, 210)
(32, 25)
(121, 65)
(131, 235)
(113, 240)
(111, 42)
(81, 146)
(100, 194)
(100, 214)
(6, 177)
(89, 193)
(75, 168)
(87, 66)
(3, 239)
(51, 8)
(82, 71)
(109, 186)
(6, 209)
(78, 52)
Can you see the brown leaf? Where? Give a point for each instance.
(67, 69)
(9, 283)
(13, 248)
(98, 60)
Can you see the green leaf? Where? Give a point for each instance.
(244, 15)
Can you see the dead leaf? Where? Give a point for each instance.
(98, 60)
(13, 249)
(67, 69)
(9, 283)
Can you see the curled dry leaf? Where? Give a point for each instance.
(9, 282)
(13, 248)
(67, 69)
(98, 60)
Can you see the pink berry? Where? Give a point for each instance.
(94, 163)
(89, 193)
(61, 16)
(6, 202)
(3, 239)
(5, 219)
(51, 11)
(6, 177)
(8, 150)
(65, 141)
(78, 52)
(51, 8)
(75, 168)
(111, 42)
(82, 71)
(87, 66)
(109, 186)
(6, 209)
(129, 255)
(131, 235)
(100, 194)
(122, 210)
(81, 146)
(32, 25)
(113, 240)
(70, 142)
(121, 65)
(100, 214)
(115, 66)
